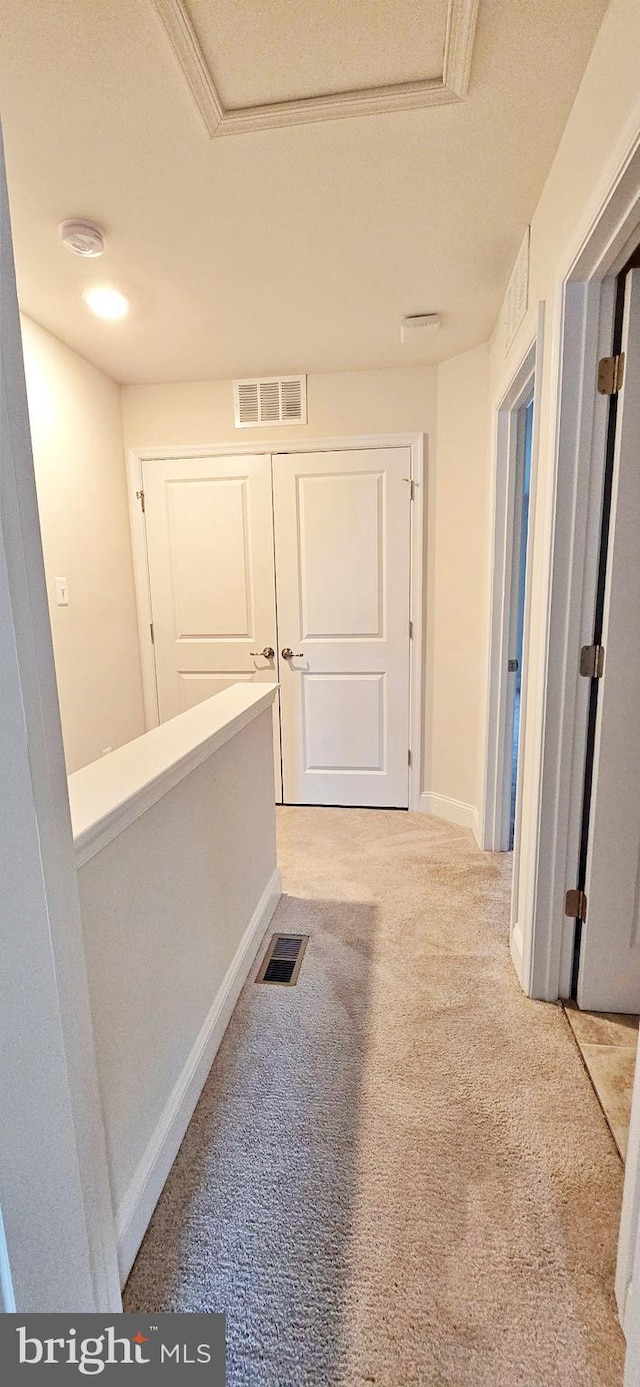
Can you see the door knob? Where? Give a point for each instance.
(288, 654)
(267, 654)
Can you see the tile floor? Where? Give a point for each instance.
(608, 1044)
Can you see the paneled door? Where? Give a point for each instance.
(342, 533)
(209, 525)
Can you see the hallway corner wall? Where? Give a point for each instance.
(76, 429)
(457, 634)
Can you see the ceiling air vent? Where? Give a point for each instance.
(517, 295)
(272, 400)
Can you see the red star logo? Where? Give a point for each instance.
(140, 1338)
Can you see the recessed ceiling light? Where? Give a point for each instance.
(106, 303)
(82, 237)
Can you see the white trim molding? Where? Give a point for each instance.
(515, 948)
(495, 809)
(108, 795)
(452, 86)
(139, 1202)
(454, 810)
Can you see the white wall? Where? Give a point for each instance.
(200, 867)
(605, 116)
(76, 431)
(369, 402)
(350, 402)
(458, 632)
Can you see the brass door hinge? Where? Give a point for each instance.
(140, 498)
(592, 661)
(153, 639)
(610, 374)
(575, 905)
(408, 758)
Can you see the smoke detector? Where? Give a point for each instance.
(82, 237)
(418, 325)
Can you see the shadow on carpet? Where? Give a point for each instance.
(255, 1218)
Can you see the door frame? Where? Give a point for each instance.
(608, 866)
(582, 317)
(496, 806)
(418, 479)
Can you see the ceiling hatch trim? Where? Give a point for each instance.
(401, 96)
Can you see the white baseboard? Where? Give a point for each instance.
(455, 810)
(515, 947)
(143, 1193)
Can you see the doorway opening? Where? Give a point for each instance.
(606, 961)
(524, 437)
(516, 442)
(605, 977)
(577, 419)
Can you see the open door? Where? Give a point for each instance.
(608, 975)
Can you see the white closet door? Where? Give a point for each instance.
(609, 976)
(209, 524)
(342, 525)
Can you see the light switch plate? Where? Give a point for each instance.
(62, 592)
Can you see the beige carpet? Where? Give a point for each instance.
(398, 1172)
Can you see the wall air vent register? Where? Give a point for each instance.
(517, 295)
(270, 400)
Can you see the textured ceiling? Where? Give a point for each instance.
(366, 43)
(287, 249)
